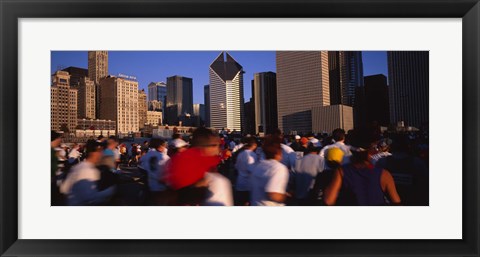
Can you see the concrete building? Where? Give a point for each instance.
(328, 118)
(264, 93)
(179, 98)
(226, 93)
(155, 105)
(118, 100)
(97, 65)
(302, 83)
(408, 76)
(206, 98)
(63, 103)
(93, 127)
(142, 108)
(376, 100)
(154, 118)
(86, 99)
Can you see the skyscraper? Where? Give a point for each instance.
(346, 82)
(76, 75)
(97, 65)
(376, 99)
(63, 103)
(408, 75)
(345, 74)
(179, 98)
(86, 98)
(142, 108)
(206, 96)
(226, 93)
(302, 83)
(119, 102)
(265, 101)
(199, 114)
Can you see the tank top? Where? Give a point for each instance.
(361, 187)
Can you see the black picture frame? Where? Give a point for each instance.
(11, 11)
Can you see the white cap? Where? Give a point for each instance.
(179, 143)
(297, 137)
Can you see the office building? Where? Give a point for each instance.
(76, 75)
(206, 98)
(86, 98)
(408, 76)
(302, 83)
(249, 117)
(179, 98)
(155, 106)
(346, 82)
(157, 91)
(199, 115)
(264, 93)
(327, 118)
(118, 100)
(154, 118)
(97, 65)
(142, 108)
(63, 103)
(376, 100)
(226, 93)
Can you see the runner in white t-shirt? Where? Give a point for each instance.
(219, 190)
(270, 177)
(244, 163)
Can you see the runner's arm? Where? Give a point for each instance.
(388, 187)
(331, 192)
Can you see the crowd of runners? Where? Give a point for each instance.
(206, 168)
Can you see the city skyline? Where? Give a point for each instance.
(156, 66)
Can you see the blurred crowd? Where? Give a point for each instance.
(360, 168)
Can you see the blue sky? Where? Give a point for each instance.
(154, 66)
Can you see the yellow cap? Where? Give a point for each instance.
(335, 154)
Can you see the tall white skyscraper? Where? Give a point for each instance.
(226, 93)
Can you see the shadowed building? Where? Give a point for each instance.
(206, 96)
(226, 93)
(346, 82)
(377, 103)
(142, 108)
(264, 93)
(408, 75)
(179, 98)
(76, 75)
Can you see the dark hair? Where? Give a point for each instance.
(338, 134)
(176, 136)
(311, 148)
(191, 195)
(100, 137)
(92, 146)
(272, 146)
(54, 135)
(202, 136)
(359, 157)
(249, 141)
(113, 138)
(155, 143)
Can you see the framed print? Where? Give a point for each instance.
(267, 112)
